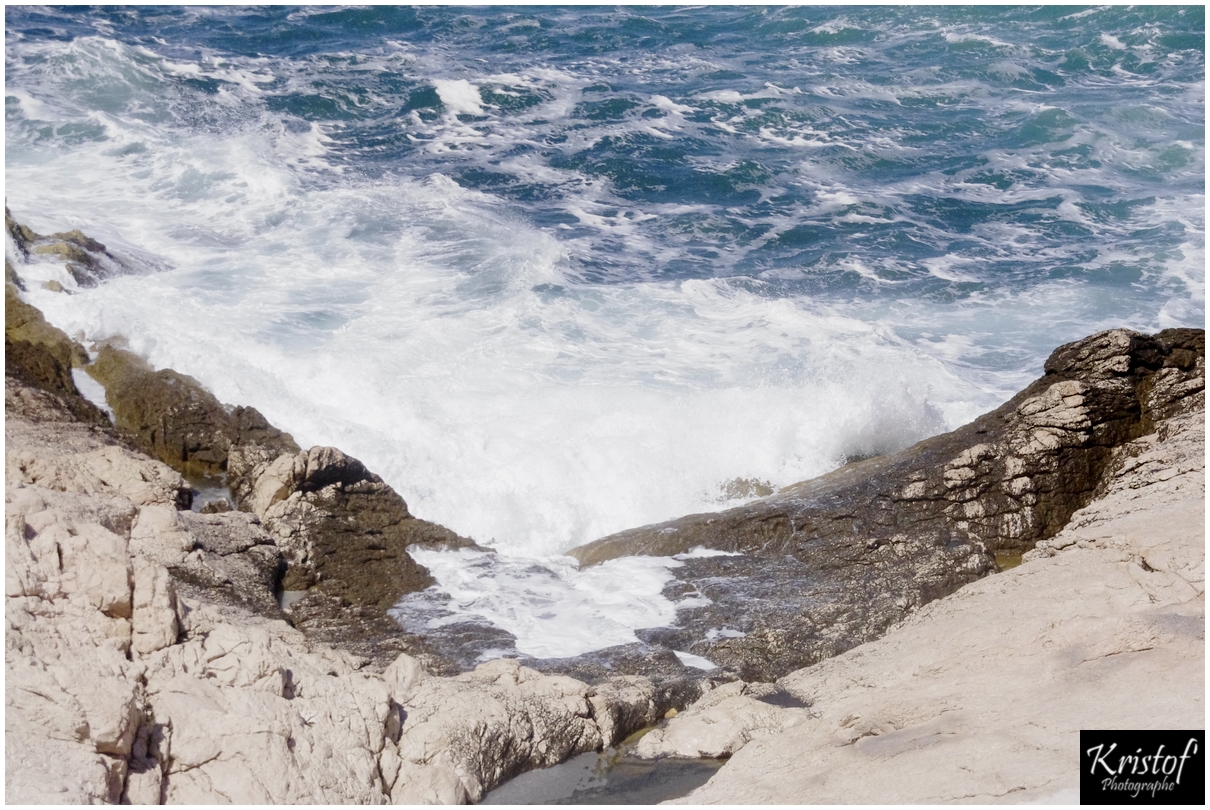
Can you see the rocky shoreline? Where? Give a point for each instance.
(149, 658)
(980, 697)
(861, 548)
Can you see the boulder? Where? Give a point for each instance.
(344, 534)
(343, 528)
(461, 737)
(722, 722)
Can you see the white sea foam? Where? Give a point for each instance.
(695, 661)
(91, 390)
(951, 36)
(459, 96)
(701, 552)
(715, 633)
(550, 606)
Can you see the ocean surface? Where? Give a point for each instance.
(555, 273)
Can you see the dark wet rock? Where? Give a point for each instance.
(368, 632)
(343, 529)
(835, 561)
(88, 261)
(345, 534)
(638, 658)
(462, 642)
(22, 236)
(233, 561)
(24, 322)
(11, 277)
(40, 357)
(768, 616)
(175, 419)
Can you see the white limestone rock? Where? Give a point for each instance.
(154, 624)
(719, 724)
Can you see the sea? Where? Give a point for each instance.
(556, 272)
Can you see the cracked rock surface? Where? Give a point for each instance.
(980, 696)
(146, 660)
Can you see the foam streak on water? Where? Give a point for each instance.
(555, 273)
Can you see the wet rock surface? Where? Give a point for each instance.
(88, 261)
(755, 636)
(836, 561)
(344, 535)
(40, 357)
(175, 419)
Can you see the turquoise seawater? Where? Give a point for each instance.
(556, 272)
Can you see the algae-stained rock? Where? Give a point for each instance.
(88, 261)
(175, 418)
(21, 235)
(11, 277)
(25, 322)
(47, 391)
(33, 364)
(41, 357)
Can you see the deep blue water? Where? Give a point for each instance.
(931, 154)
